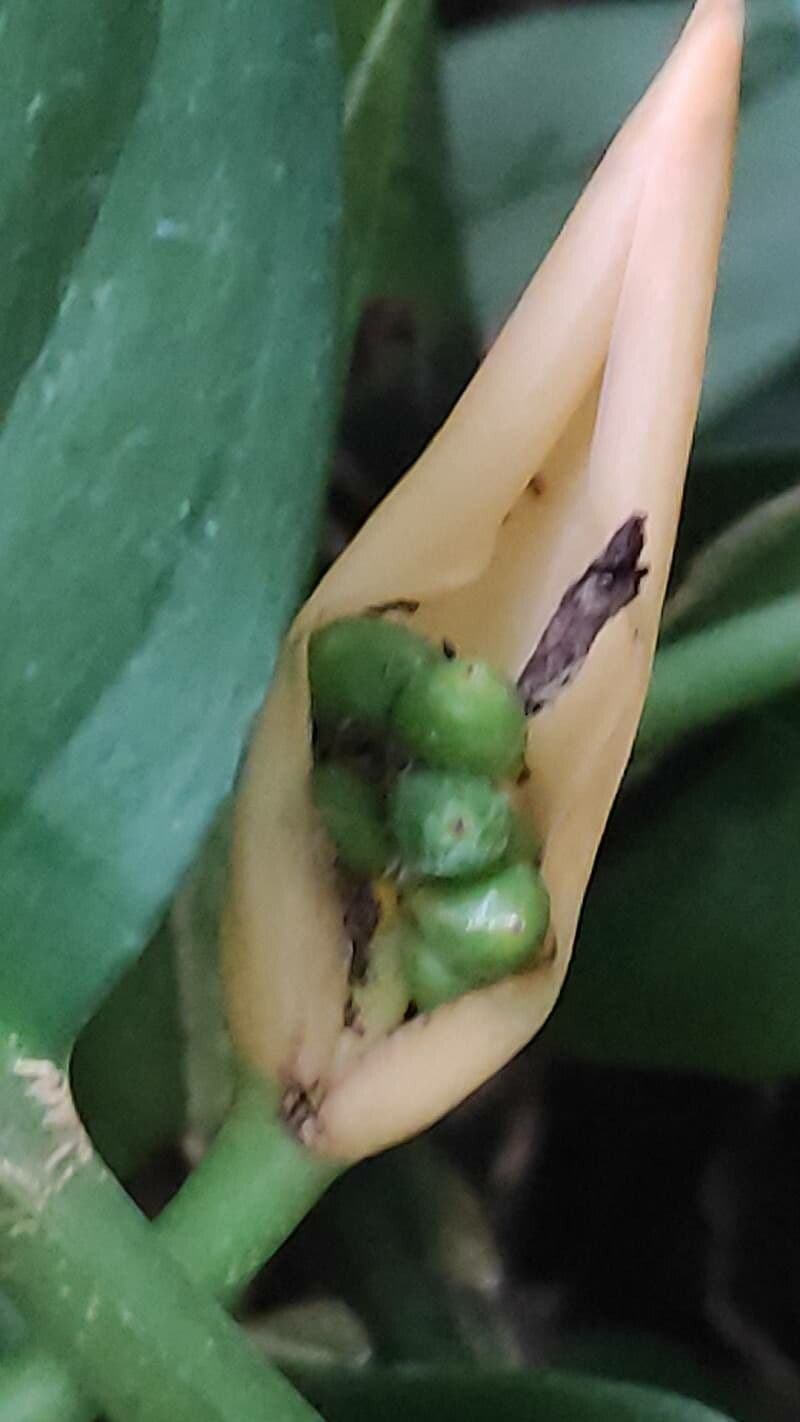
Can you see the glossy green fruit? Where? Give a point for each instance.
(459, 715)
(484, 928)
(430, 981)
(524, 844)
(448, 824)
(352, 813)
(357, 666)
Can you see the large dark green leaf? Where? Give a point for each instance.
(688, 955)
(415, 1257)
(431, 1396)
(381, 42)
(420, 257)
(161, 470)
(72, 77)
(556, 85)
(752, 563)
(732, 629)
(377, 43)
(127, 1069)
(12, 1328)
(656, 1361)
(763, 428)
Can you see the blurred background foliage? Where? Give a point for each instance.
(622, 1200)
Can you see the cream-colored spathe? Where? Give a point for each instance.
(593, 388)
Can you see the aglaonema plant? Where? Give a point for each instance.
(187, 379)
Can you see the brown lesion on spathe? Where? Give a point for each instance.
(361, 914)
(407, 605)
(352, 1020)
(299, 1108)
(536, 486)
(610, 582)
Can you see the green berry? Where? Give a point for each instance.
(448, 825)
(351, 812)
(524, 843)
(485, 928)
(358, 665)
(430, 981)
(460, 715)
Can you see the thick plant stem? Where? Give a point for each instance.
(723, 669)
(101, 1290)
(251, 1190)
(32, 1389)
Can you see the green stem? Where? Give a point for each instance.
(101, 1290)
(32, 1388)
(722, 669)
(250, 1192)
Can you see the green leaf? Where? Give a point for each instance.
(416, 1258)
(71, 86)
(420, 258)
(556, 86)
(400, 238)
(721, 491)
(380, 41)
(155, 1061)
(161, 477)
(732, 629)
(12, 1328)
(709, 675)
(657, 1361)
(687, 957)
(429, 1396)
(194, 937)
(751, 563)
(127, 1068)
(763, 429)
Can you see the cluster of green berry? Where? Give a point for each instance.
(413, 744)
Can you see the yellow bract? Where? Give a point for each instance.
(581, 415)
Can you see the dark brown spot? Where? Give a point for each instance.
(361, 916)
(610, 582)
(400, 604)
(299, 1105)
(352, 1017)
(536, 486)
